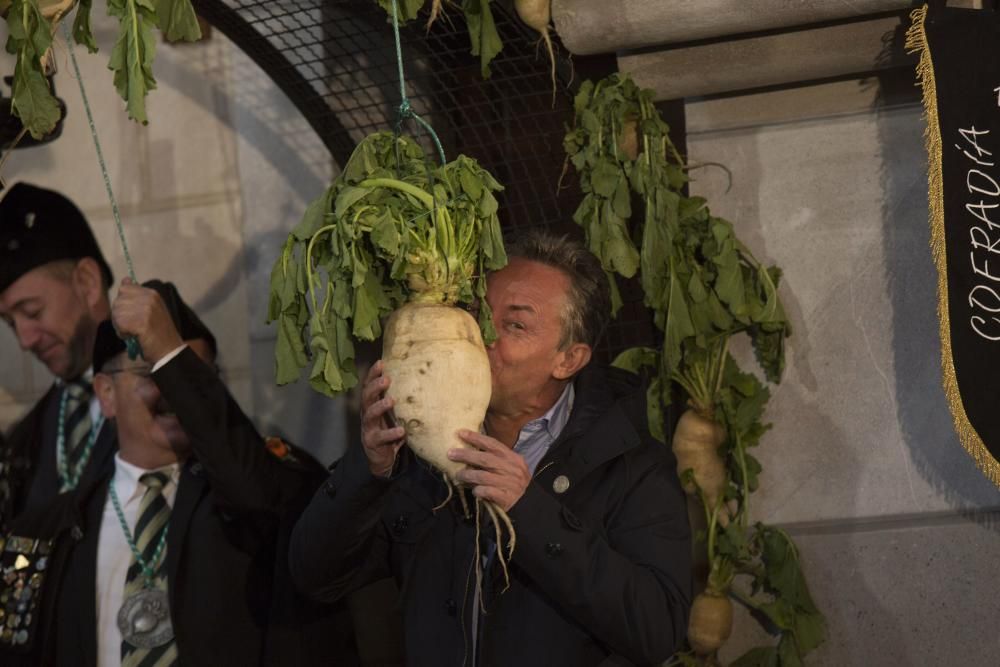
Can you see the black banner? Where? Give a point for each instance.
(959, 70)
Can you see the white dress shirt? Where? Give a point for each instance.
(114, 555)
(168, 356)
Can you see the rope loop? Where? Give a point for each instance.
(405, 109)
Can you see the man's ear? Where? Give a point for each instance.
(572, 360)
(89, 282)
(104, 389)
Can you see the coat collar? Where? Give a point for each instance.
(598, 429)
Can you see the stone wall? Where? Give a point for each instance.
(207, 192)
(895, 524)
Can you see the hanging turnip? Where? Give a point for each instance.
(537, 14)
(711, 622)
(696, 444)
(396, 235)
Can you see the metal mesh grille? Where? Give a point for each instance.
(335, 59)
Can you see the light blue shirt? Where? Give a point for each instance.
(537, 436)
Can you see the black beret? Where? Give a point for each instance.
(108, 345)
(38, 226)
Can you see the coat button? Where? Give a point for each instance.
(553, 549)
(560, 484)
(330, 489)
(77, 533)
(400, 524)
(451, 607)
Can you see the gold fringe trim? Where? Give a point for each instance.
(916, 42)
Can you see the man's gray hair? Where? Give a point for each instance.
(588, 305)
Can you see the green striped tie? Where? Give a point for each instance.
(78, 422)
(154, 514)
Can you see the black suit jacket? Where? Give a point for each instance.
(28, 476)
(219, 568)
(223, 545)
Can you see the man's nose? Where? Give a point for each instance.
(27, 333)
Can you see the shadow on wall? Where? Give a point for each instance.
(242, 100)
(246, 102)
(922, 411)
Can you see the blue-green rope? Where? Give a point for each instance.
(131, 343)
(405, 109)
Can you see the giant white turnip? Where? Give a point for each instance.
(396, 237)
(440, 378)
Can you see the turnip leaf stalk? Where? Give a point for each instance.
(484, 39)
(391, 229)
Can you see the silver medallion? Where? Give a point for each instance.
(144, 619)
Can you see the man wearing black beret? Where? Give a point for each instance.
(54, 285)
(171, 556)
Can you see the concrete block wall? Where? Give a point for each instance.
(207, 192)
(896, 526)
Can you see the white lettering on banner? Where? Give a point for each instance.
(971, 135)
(979, 210)
(977, 321)
(984, 179)
(981, 239)
(976, 298)
(985, 241)
(981, 163)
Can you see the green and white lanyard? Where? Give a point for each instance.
(148, 569)
(69, 476)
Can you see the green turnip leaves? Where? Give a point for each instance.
(131, 58)
(702, 286)
(484, 39)
(392, 228)
(29, 39)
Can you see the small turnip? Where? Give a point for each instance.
(536, 14)
(696, 445)
(711, 622)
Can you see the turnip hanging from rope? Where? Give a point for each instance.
(395, 235)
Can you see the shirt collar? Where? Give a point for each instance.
(127, 476)
(554, 420)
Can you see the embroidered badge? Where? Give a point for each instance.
(22, 573)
